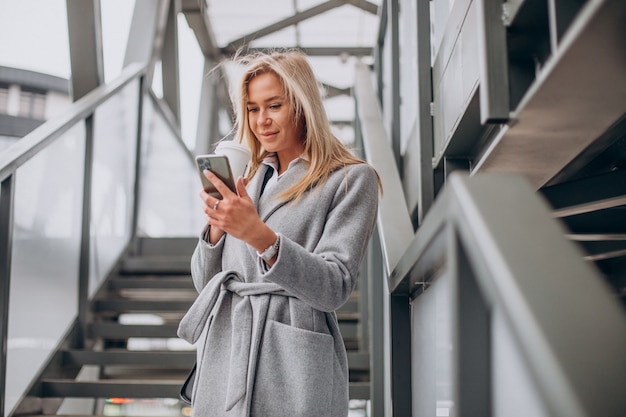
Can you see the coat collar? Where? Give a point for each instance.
(269, 202)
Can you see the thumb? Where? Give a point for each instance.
(241, 187)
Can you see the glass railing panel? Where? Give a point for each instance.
(169, 205)
(115, 133)
(432, 341)
(45, 258)
(514, 392)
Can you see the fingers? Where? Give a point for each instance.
(241, 187)
(218, 183)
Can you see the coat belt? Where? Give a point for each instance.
(192, 324)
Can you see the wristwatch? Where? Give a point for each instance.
(271, 251)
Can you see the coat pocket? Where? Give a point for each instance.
(295, 373)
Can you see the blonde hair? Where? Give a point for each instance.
(321, 147)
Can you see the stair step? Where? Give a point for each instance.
(156, 282)
(130, 388)
(128, 305)
(57, 388)
(155, 265)
(359, 390)
(117, 331)
(359, 361)
(170, 359)
(185, 359)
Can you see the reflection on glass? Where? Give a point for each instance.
(115, 132)
(45, 257)
(169, 203)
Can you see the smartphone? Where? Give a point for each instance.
(219, 165)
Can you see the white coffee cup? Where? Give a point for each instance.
(238, 156)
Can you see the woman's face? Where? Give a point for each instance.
(271, 116)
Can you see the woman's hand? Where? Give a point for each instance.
(235, 214)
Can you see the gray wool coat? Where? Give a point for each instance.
(268, 340)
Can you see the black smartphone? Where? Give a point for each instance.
(219, 165)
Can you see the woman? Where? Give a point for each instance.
(280, 255)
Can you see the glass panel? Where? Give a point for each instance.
(115, 135)
(44, 277)
(431, 332)
(514, 391)
(169, 203)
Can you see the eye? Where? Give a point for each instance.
(275, 106)
(252, 109)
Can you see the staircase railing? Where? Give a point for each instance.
(71, 203)
(491, 308)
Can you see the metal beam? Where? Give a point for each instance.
(493, 61)
(84, 25)
(145, 39)
(7, 201)
(334, 51)
(236, 44)
(199, 22)
(169, 62)
(426, 193)
(364, 5)
(332, 91)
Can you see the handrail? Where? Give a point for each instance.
(394, 220)
(21, 152)
(557, 306)
(28, 146)
(486, 230)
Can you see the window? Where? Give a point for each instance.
(32, 104)
(4, 98)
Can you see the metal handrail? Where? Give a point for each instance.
(28, 146)
(484, 230)
(394, 220)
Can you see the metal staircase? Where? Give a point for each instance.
(131, 334)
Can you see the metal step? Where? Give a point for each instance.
(359, 390)
(116, 331)
(56, 388)
(170, 359)
(127, 305)
(156, 282)
(130, 388)
(359, 361)
(155, 265)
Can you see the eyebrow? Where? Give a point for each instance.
(274, 98)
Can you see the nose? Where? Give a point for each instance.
(264, 118)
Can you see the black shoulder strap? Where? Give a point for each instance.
(268, 174)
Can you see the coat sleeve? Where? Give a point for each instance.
(206, 260)
(326, 277)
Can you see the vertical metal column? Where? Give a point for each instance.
(472, 335)
(401, 386)
(85, 35)
(169, 62)
(379, 60)
(138, 160)
(85, 238)
(7, 192)
(493, 60)
(393, 12)
(376, 291)
(425, 97)
(207, 132)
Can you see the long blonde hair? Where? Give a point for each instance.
(322, 148)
